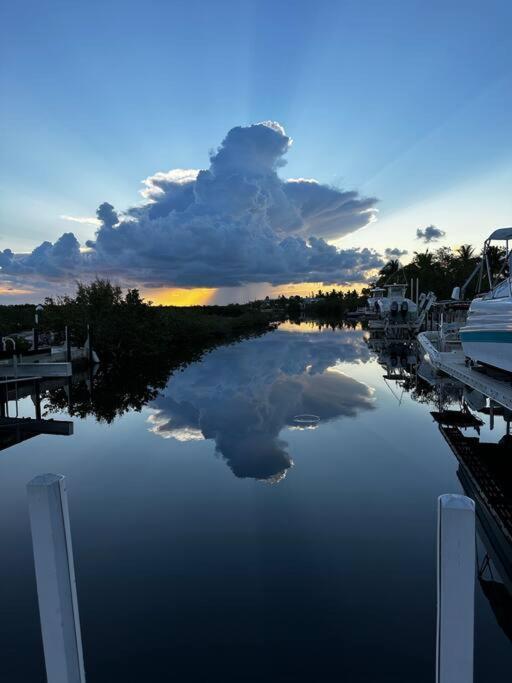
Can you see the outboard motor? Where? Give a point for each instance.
(394, 307)
(404, 308)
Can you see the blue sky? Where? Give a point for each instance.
(409, 102)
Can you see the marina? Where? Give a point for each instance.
(256, 342)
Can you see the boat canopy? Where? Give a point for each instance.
(397, 286)
(501, 234)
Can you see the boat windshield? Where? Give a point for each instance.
(502, 290)
(398, 290)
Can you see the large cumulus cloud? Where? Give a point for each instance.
(237, 222)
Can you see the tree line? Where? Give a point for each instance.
(125, 327)
(441, 270)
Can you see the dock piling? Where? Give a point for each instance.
(90, 355)
(67, 344)
(455, 588)
(55, 577)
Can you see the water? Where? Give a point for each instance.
(219, 535)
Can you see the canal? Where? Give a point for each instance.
(268, 515)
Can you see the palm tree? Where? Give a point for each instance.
(466, 253)
(423, 260)
(391, 267)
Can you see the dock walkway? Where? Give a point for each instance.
(453, 364)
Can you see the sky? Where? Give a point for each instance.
(400, 112)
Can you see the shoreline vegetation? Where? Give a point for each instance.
(140, 346)
(128, 328)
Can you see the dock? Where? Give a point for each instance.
(36, 369)
(484, 471)
(51, 361)
(15, 429)
(453, 364)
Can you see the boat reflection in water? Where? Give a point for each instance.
(463, 415)
(243, 397)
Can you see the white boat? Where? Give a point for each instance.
(395, 306)
(376, 294)
(486, 336)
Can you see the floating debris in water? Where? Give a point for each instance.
(306, 420)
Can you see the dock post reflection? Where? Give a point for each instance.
(55, 577)
(456, 556)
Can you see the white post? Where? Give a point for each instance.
(455, 588)
(55, 576)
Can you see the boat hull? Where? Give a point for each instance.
(487, 336)
(482, 349)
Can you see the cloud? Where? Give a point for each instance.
(395, 252)
(430, 234)
(48, 260)
(83, 220)
(243, 396)
(235, 223)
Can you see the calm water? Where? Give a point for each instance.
(219, 538)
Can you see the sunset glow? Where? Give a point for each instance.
(14, 291)
(172, 296)
(311, 288)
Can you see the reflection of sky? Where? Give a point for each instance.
(243, 396)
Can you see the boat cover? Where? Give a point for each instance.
(501, 234)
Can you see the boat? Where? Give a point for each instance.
(370, 311)
(486, 336)
(376, 294)
(395, 306)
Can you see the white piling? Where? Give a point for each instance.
(55, 576)
(455, 589)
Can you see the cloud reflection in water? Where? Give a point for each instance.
(243, 396)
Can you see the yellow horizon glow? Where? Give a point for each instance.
(307, 288)
(13, 291)
(176, 296)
